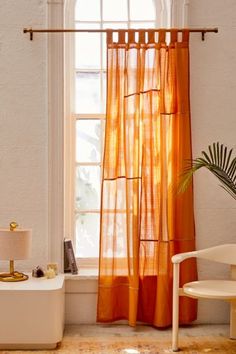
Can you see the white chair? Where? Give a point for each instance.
(210, 289)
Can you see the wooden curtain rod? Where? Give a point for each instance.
(203, 31)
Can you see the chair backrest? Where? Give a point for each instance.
(223, 253)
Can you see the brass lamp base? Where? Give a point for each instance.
(13, 277)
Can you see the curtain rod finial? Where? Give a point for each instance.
(204, 31)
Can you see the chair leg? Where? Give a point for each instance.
(233, 319)
(175, 314)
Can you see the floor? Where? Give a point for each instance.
(109, 339)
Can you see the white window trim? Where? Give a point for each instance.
(55, 133)
(69, 123)
(60, 218)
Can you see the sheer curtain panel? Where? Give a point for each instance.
(147, 143)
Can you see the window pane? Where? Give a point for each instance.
(115, 10)
(87, 235)
(104, 91)
(104, 51)
(88, 140)
(142, 10)
(87, 187)
(88, 93)
(115, 224)
(115, 25)
(87, 10)
(142, 24)
(87, 50)
(87, 25)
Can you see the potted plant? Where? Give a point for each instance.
(218, 160)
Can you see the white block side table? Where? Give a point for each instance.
(32, 313)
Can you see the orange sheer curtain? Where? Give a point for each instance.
(147, 141)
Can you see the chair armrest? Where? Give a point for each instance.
(225, 253)
(180, 257)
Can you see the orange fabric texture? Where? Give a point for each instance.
(147, 143)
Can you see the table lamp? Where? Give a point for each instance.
(15, 244)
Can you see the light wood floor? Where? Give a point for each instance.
(193, 339)
(116, 338)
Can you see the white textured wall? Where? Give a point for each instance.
(213, 103)
(23, 123)
(24, 141)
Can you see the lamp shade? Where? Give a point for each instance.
(15, 244)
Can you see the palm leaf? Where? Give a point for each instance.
(218, 161)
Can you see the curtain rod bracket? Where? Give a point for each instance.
(30, 31)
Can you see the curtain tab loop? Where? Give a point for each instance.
(109, 37)
(121, 38)
(174, 36)
(151, 36)
(185, 36)
(162, 36)
(141, 37)
(131, 36)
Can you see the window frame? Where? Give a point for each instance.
(93, 262)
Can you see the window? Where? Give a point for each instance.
(89, 77)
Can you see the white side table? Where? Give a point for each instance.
(32, 313)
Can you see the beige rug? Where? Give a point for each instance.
(109, 339)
